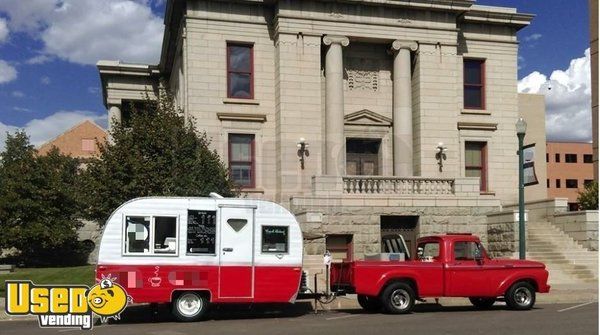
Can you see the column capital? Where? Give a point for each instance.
(404, 44)
(336, 39)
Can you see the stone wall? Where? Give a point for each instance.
(503, 233)
(542, 210)
(361, 217)
(581, 226)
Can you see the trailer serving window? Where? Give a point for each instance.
(151, 235)
(275, 239)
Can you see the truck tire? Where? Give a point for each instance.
(520, 296)
(189, 306)
(370, 304)
(482, 303)
(398, 298)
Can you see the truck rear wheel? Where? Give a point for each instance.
(520, 296)
(189, 306)
(398, 298)
(371, 304)
(482, 303)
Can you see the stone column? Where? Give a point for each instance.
(335, 142)
(114, 116)
(402, 108)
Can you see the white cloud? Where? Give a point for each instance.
(21, 109)
(568, 99)
(42, 130)
(533, 37)
(17, 94)
(39, 59)
(85, 31)
(45, 80)
(3, 30)
(7, 72)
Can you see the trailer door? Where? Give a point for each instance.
(236, 257)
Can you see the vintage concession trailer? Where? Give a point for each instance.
(194, 251)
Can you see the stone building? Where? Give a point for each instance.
(407, 109)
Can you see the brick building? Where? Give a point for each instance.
(570, 168)
(408, 108)
(80, 141)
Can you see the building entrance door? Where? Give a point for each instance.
(405, 225)
(362, 156)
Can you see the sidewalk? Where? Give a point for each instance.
(558, 294)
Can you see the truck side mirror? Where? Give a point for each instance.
(478, 255)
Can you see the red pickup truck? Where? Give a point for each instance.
(453, 265)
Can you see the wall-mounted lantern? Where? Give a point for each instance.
(440, 154)
(302, 151)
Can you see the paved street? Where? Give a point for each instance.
(299, 319)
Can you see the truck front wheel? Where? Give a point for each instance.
(189, 306)
(370, 304)
(398, 298)
(520, 296)
(482, 303)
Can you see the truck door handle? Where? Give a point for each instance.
(228, 249)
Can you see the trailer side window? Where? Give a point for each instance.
(165, 235)
(274, 239)
(201, 232)
(137, 237)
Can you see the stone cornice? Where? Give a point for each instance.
(242, 117)
(335, 39)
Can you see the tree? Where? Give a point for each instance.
(38, 203)
(588, 198)
(154, 153)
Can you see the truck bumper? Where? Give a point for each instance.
(544, 288)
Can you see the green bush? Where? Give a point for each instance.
(588, 198)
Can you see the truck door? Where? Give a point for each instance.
(465, 277)
(236, 257)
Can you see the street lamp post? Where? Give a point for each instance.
(521, 127)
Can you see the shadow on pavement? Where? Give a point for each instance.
(435, 308)
(162, 313)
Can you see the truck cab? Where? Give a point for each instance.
(453, 265)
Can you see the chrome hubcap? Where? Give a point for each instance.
(400, 299)
(189, 304)
(522, 296)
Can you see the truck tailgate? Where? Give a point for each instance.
(341, 277)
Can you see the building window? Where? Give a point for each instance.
(88, 144)
(275, 239)
(571, 183)
(570, 158)
(557, 183)
(557, 158)
(587, 182)
(587, 158)
(241, 159)
(474, 83)
(573, 206)
(240, 71)
(476, 162)
(547, 183)
(340, 247)
(547, 158)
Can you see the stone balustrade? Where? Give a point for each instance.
(397, 185)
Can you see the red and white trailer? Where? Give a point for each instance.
(195, 251)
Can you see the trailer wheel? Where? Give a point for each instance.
(398, 298)
(189, 306)
(482, 303)
(370, 304)
(520, 296)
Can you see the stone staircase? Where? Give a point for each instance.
(567, 261)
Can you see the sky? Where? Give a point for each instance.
(49, 48)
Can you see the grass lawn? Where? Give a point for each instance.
(69, 275)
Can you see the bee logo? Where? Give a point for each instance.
(107, 299)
